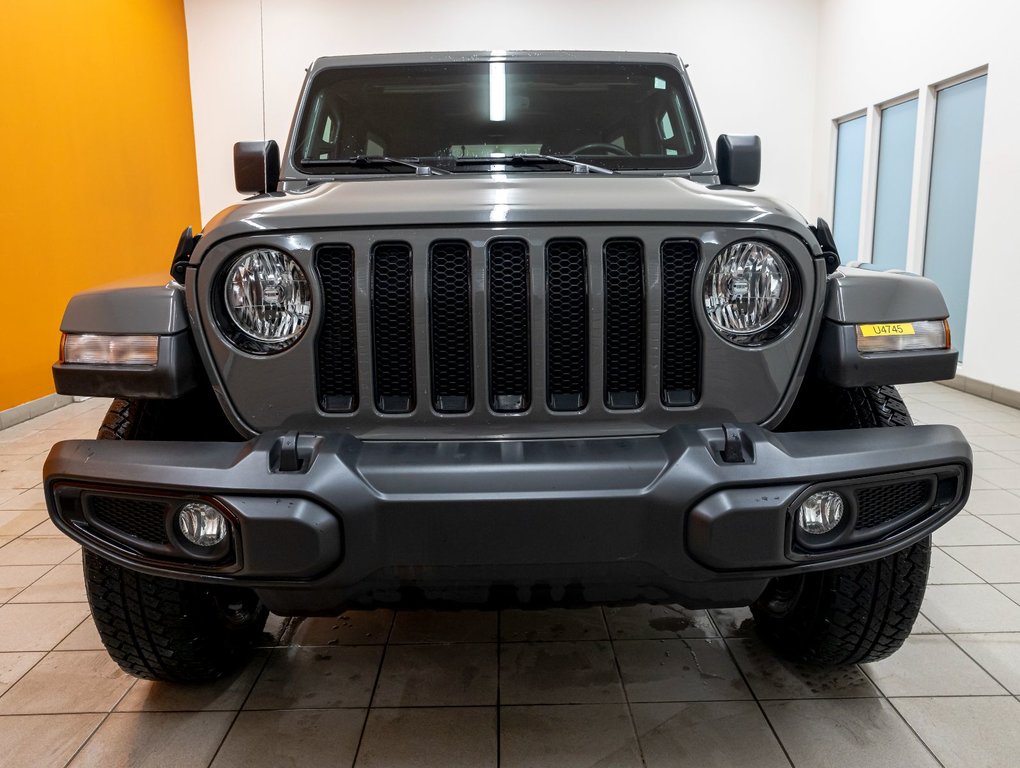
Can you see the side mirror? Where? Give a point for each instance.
(256, 166)
(739, 159)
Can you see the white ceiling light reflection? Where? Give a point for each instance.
(497, 91)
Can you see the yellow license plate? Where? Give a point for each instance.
(888, 329)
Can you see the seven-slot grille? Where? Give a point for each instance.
(571, 281)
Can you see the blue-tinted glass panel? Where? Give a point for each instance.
(846, 214)
(895, 174)
(952, 199)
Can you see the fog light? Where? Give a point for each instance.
(202, 524)
(820, 513)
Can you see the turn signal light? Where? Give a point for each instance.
(903, 337)
(96, 349)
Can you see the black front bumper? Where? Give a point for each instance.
(320, 522)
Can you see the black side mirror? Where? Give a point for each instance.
(739, 159)
(256, 166)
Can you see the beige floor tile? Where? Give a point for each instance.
(14, 665)
(968, 731)
(15, 578)
(931, 665)
(1012, 591)
(15, 522)
(307, 678)
(998, 653)
(970, 608)
(923, 627)
(997, 443)
(993, 564)
(461, 674)
(993, 502)
(444, 627)
(31, 499)
(835, 733)
(559, 736)
(227, 693)
(68, 681)
(311, 738)
(733, 622)
(62, 584)
(45, 529)
(38, 627)
(645, 622)
(84, 637)
(771, 677)
(946, 570)
(155, 740)
(719, 734)
(20, 479)
(37, 551)
(986, 460)
(1008, 524)
(446, 737)
(679, 670)
(966, 530)
(559, 673)
(552, 624)
(350, 628)
(43, 741)
(1008, 479)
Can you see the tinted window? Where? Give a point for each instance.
(626, 115)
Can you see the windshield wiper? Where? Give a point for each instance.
(370, 161)
(534, 159)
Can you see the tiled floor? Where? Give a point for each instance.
(617, 687)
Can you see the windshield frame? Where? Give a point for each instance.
(695, 167)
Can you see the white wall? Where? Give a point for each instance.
(871, 51)
(752, 62)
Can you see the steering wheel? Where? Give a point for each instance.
(611, 149)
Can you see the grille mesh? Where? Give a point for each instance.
(625, 336)
(880, 504)
(566, 324)
(392, 328)
(509, 337)
(142, 519)
(681, 344)
(450, 323)
(338, 353)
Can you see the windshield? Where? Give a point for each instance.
(619, 115)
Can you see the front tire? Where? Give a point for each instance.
(857, 613)
(166, 629)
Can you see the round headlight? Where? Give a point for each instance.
(747, 289)
(268, 297)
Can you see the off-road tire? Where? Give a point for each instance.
(857, 613)
(158, 628)
(165, 629)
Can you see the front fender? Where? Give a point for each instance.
(856, 296)
(135, 310)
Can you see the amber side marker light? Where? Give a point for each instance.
(903, 337)
(97, 349)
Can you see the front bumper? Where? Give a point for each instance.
(320, 522)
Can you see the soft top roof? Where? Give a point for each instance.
(434, 57)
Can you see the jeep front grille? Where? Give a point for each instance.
(480, 307)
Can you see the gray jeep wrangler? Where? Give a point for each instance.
(500, 328)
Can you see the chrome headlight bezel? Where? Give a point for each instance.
(781, 309)
(287, 292)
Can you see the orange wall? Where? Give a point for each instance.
(98, 145)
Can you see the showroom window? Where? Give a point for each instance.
(893, 188)
(952, 196)
(846, 212)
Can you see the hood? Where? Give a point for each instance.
(498, 199)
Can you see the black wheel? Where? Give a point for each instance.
(165, 629)
(158, 628)
(856, 613)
